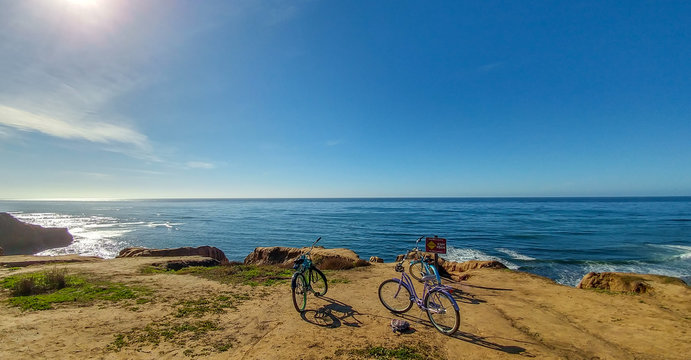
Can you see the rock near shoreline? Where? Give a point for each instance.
(19, 238)
(325, 259)
(458, 271)
(625, 282)
(205, 251)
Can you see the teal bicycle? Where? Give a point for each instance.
(421, 266)
(307, 278)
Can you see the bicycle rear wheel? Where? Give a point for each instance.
(318, 282)
(441, 312)
(299, 286)
(417, 270)
(394, 296)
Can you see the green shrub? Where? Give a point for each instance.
(38, 291)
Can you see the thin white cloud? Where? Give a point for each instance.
(491, 66)
(334, 142)
(99, 132)
(200, 165)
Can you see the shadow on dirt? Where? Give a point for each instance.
(332, 315)
(468, 337)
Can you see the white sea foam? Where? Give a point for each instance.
(93, 235)
(685, 250)
(467, 254)
(515, 255)
(165, 225)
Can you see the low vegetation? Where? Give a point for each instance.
(178, 333)
(400, 352)
(213, 305)
(188, 325)
(234, 273)
(41, 290)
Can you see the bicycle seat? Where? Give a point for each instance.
(431, 278)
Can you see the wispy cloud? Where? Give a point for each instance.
(200, 165)
(99, 132)
(334, 142)
(491, 66)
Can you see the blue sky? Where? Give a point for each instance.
(148, 99)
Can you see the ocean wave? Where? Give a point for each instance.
(467, 254)
(515, 255)
(683, 251)
(164, 225)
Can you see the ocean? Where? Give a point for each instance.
(560, 238)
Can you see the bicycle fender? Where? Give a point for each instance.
(455, 305)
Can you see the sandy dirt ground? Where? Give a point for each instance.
(504, 314)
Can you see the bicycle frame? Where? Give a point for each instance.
(406, 281)
(429, 268)
(305, 263)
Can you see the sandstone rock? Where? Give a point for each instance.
(376, 259)
(206, 251)
(624, 282)
(325, 259)
(19, 238)
(455, 270)
(452, 266)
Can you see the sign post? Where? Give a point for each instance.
(437, 246)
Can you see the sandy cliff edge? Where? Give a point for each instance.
(503, 314)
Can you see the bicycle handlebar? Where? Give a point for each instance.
(314, 243)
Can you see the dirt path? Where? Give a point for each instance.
(504, 314)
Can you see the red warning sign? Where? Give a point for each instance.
(435, 245)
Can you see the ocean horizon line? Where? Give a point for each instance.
(373, 198)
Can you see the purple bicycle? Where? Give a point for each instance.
(398, 295)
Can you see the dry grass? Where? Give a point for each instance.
(339, 263)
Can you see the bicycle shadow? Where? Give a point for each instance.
(451, 282)
(468, 337)
(332, 315)
(465, 297)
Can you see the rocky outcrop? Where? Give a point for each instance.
(205, 251)
(325, 259)
(455, 270)
(19, 238)
(625, 282)
(376, 259)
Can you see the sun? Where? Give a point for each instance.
(84, 3)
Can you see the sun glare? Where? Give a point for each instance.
(83, 2)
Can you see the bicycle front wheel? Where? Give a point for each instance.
(394, 296)
(299, 286)
(441, 312)
(318, 282)
(417, 270)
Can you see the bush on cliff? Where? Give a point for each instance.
(40, 290)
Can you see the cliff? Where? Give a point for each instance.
(239, 311)
(18, 238)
